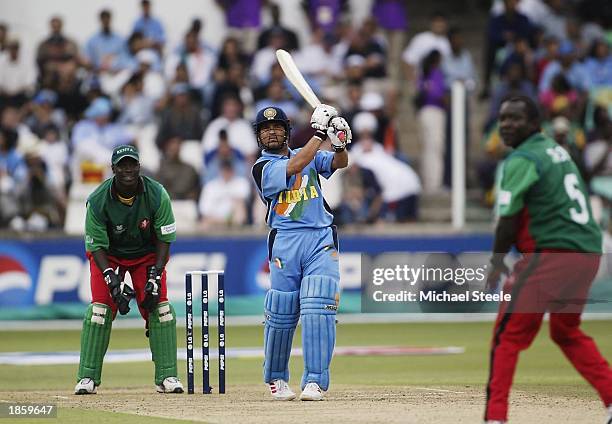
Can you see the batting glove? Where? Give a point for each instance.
(321, 117)
(339, 133)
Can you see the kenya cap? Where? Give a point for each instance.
(125, 151)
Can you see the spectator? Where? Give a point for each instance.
(598, 66)
(73, 93)
(573, 70)
(325, 14)
(400, 200)
(3, 37)
(196, 27)
(234, 84)
(266, 57)
(105, 49)
(181, 118)
(424, 42)
(277, 97)
(239, 131)
(150, 27)
(223, 200)
(12, 173)
(56, 49)
(93, 140)
(12, 121)
(16, 76)
(243, 17)
(44, 113)
(149, 66)
(316, 60)
(40, 205)
(53, 149)
(180, 179)
(223, 153)
(231, 53)
(569, 136)
(374, 103)
(392, 17)
(458, 64)
(501, 30)
(598, 154)
(290, 35)
(548, 54)
(374, 55)
(561, 97)
(199, 61)
(514, 82)
(362, 197)
(518, 51)
(555, 22)
(431, 103)
(136, 108)
(351, 102)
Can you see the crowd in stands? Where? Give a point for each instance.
(189, 107)
(559, 54)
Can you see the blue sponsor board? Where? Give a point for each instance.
(40, 273)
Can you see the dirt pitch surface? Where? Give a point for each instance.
(344, 403)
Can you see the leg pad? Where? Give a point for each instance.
(94, 341)
(318, 305)
(162, 340)
(282, 312)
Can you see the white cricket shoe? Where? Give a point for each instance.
(170, 385)
(312, 391)
(609, 419)
(85, 386)
(280, 390)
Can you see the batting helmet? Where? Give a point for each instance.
(271, 114)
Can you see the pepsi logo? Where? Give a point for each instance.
(13, 275)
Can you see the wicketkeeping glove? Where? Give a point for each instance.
(321, 117)
(121, 295)
(152, 289)
(339, 133)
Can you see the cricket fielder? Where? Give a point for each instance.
(302, 247)
(128, 228)
(545, 212)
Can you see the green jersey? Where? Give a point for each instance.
(129, 231)
(541, 183)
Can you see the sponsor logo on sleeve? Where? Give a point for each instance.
(504, 197)
(168, 229)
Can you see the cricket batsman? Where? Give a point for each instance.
(302, 247)
(544, 212)
(128, 228)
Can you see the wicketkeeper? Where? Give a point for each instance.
(128, 228)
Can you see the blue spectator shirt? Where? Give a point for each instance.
(109, 136)
(599, 71)
(575, 75)
(295, 202)
(101, 45)
(151, 28)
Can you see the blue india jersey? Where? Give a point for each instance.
(296, 202)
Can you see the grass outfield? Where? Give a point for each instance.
(543, 370)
